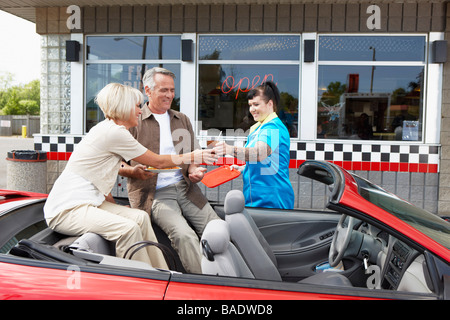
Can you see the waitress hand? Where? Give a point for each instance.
(221, 148)
(207, 156)
(238, 168)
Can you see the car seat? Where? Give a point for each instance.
(256, 251)
(219, 255)
(95, 247)
(92, 242)
(247, 238)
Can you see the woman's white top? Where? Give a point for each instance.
(92, 169)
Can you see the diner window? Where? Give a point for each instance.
(230, 66)
(124, 60)
(371, 87)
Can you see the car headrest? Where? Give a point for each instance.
(217, 235)
(234, 202)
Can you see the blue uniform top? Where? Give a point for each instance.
(266, 183)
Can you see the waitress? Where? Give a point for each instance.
(266, 172)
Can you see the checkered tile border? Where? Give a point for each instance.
(57, 147)
(369, 157)
(351, 156)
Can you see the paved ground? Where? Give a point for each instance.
(9, 144)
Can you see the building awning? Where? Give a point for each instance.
(27, 10)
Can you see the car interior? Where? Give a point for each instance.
(370, 257)
(311, 247)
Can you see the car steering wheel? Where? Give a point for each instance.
(340, 241)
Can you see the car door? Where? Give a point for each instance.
(23, 278)
(300, 239)
(232, 291)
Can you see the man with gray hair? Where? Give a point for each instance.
(173, 199)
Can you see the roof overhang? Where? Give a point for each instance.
(26, 9)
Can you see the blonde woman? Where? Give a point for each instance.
(78, 202)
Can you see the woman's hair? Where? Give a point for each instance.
(267, 91)
(149, 77)
(117, 101)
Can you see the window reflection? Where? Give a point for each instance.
(131, 48)
(369, 100)
(118, 47)
(249, 47)
(99, 75)
(352, 106)
(362, 48)
(223, 89)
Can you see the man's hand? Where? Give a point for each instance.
(138, 172)
(110, 198)
(196, 174)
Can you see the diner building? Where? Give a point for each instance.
(364, 84)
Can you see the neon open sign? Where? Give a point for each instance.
(243, 84)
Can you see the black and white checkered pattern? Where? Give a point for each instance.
(365, 152)
(329, 151)
(54, 143)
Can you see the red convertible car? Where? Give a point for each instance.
(366, 244)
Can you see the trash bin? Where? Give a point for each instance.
(27, 170)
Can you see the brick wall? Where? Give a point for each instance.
(309, 17)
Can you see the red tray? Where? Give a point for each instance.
(219, 176)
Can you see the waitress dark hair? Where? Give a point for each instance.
(267, 91)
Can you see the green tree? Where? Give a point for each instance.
(12, 105)
(334, 92)
(30, 107)
(5, 80)
(31, 91)
(5, 83)
(19, 99)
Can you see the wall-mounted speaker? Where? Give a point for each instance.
(72, 51)
(439, 51)
(309, 50)
(186, 50)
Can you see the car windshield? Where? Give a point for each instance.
(433, 226)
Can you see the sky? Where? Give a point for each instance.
(19, 48)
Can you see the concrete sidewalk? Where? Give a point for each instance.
(9, 144)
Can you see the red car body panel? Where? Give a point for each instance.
(55, 284)
(189, 291)
(26, 282)
(14, 195)
(12, 198)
